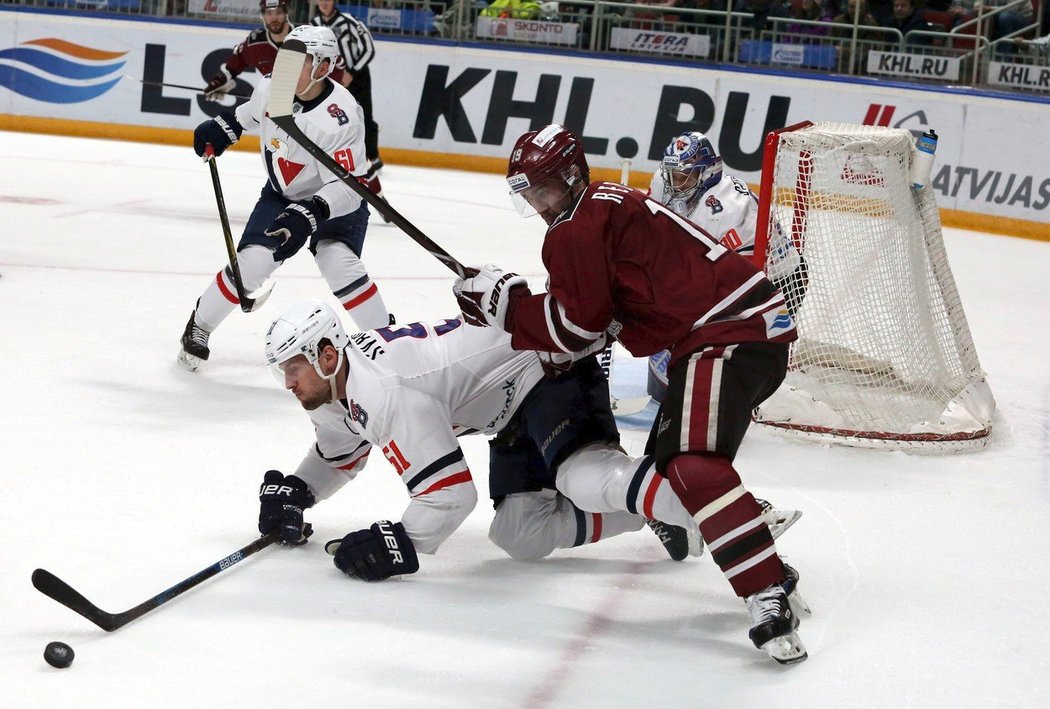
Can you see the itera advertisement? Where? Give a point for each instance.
(473, 102)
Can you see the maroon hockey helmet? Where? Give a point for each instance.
(548, 152)
(544, 167)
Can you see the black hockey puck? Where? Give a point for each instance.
(58, 654)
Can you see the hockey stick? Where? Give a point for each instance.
(620, 407)
(50, 585)
(247, 304)
(195, 89)
(285, 76)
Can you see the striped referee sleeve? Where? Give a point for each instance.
(355, 41)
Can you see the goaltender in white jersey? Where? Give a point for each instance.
(301, 203)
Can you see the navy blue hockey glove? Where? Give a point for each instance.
(281, 503)
(220, 133)
(297, 223)
(379, 552)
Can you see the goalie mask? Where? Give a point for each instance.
(690, 167)
(545, 166)
(299, 330)
(320, 44)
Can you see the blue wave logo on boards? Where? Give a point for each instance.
(56, 71)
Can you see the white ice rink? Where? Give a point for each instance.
(122, 474)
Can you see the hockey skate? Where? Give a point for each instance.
(778, 521)
(678, 542)
(774, 620)
(194, 345)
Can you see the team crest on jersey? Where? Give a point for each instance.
(289, 170)
(338, 114)
(358, 414)
(713, 204)
(275, 144)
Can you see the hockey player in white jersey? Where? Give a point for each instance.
(301, 201)
(692, 182)
(410, 391)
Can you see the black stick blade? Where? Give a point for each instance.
(52, 586)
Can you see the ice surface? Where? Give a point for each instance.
(123, 474)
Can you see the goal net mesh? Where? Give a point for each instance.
(884, 355)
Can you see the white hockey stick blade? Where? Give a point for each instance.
(779, 521)
(285, 75)
(261, 298)
(628, 407)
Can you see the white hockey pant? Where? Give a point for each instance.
(598, 478)
(256, 264)
(348, 278)
(530, 525)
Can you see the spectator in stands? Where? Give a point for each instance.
(650, 10)
(866, 18)
(812, 11)
(514, 9)
(708, 20)
(907, 19)
(763, 10)
(881, 9)
(258, 51)
(1002, 23)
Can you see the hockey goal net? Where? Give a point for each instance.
(884, 357)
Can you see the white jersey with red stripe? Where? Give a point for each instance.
(729, 212)
(410, 390)
(334, 121)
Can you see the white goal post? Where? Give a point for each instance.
(884, 357)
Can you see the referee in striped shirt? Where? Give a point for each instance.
(357, 48)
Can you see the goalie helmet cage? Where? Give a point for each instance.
(884, 356)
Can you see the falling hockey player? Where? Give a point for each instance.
(623, 264)
(410, 391)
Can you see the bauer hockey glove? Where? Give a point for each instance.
(297, 223)
(282, 500)
(484, 295)
(220, 133)
(220, 84)
(379, 552)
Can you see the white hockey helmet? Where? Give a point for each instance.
(320, 44)
(299, 330)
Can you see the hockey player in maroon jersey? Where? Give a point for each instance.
(258, 51)
(626, 266)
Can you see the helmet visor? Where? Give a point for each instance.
(547, 197)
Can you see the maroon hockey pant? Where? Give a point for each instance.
(695, 437)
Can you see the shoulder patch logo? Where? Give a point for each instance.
(778, 322)
(358, 414)
(713, 204)
(338, 114)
